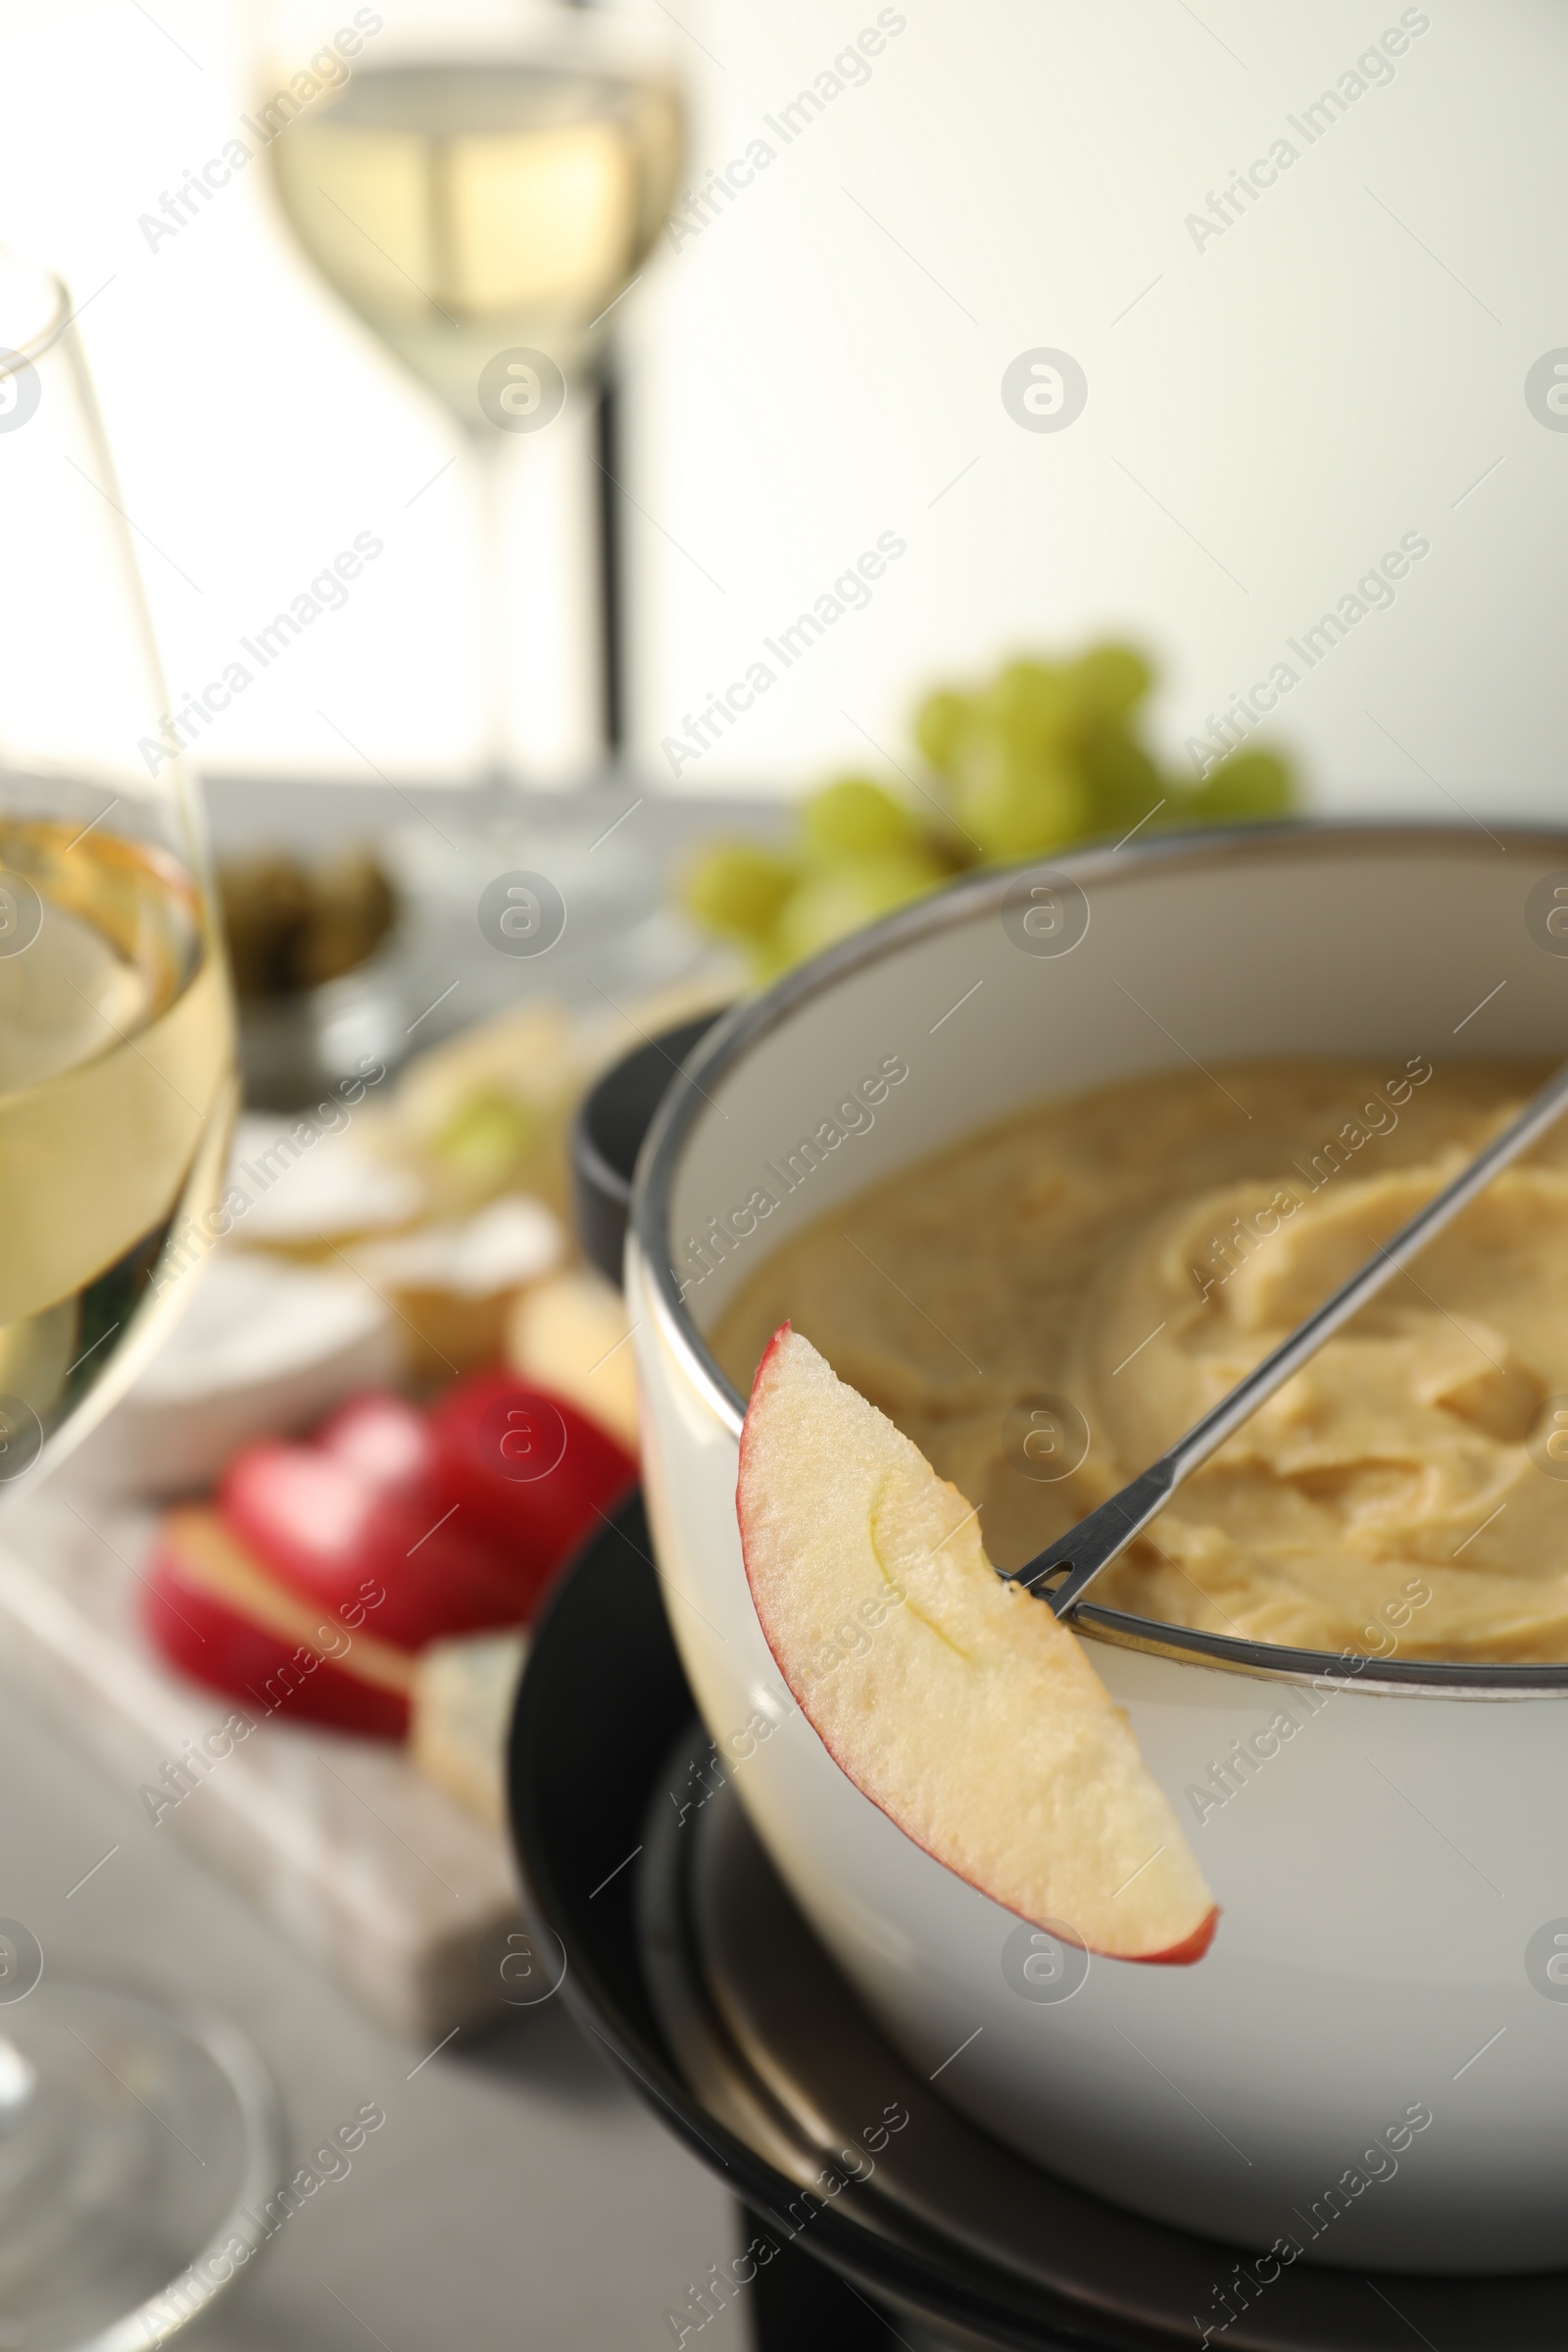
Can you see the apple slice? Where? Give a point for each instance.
(216, 1613)
(533, 1474)
(956, 1703)
(386, 1441)
(322, 1526)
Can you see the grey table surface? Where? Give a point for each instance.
(610, 852)
(520, 2193)
(295, 811)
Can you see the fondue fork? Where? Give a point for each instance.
(1063, 1573)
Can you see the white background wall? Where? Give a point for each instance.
(822, 363)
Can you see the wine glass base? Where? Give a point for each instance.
(138, 2149)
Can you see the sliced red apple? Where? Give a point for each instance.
(217, 1613)
(387, 1441)
(533, 1474)
(322, 1525)
(959, 1705)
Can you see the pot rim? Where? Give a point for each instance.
(755, 1018)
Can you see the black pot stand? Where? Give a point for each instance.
(687, 1959)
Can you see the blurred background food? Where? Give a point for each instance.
(569, 1334)
(292, 923)
(488, 1112)
(318, 1569)
(462, 1712)
(1046, 753)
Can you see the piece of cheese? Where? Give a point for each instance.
(570, 1335)
(464, 1692)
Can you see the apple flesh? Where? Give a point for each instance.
(956, 1703)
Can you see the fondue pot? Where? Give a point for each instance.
(1369, 2068)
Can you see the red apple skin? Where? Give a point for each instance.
(531, 1473)
(386, 1440)
(1183, 1954)
(205, 1639)
(1178, 1956)
(321, 1528)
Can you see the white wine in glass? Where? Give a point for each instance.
(134, 2138)
(481, 186)
(114, 1097)
(461, 208)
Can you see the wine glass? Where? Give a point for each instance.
(130, 2139)
(482, 186)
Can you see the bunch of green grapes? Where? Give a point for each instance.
(1050, 753)
(858, 854)
(1046, 755)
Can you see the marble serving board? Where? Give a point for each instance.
(366, 1867)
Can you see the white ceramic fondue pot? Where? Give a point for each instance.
(1370, 2066)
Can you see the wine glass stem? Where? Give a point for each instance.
(490, 457)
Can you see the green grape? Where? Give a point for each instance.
(1018, 804)
(1246, 784)
(769, 956)
(1031, 705)
(940, 726)
(834, 901)
(855, 818)
(1124, 785)
(1113, 680)
(738, 889)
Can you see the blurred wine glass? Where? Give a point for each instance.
(117, 1096)
(116, 1049)
(481, 186)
